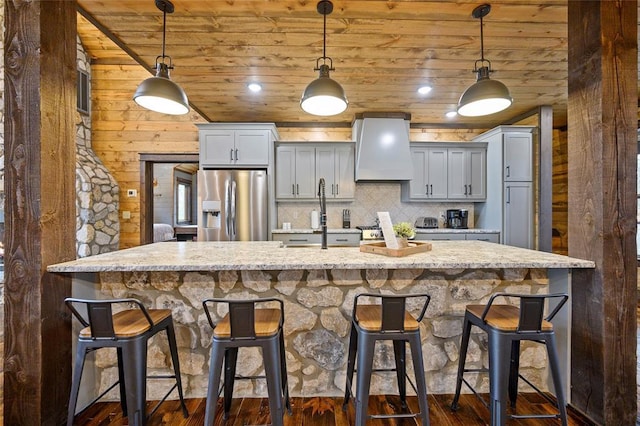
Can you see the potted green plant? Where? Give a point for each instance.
(404, 232)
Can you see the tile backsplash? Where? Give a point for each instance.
(370, 197)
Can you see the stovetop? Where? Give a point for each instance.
(367, 227)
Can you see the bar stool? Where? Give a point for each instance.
(386, 321)
(128, 331)
(247, 326)
(506, 326)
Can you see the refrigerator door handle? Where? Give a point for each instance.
(233, 211)
(227, 209)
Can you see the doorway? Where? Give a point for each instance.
(147, 162)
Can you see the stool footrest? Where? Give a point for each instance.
(394, 416)
(98, 397)
(534, 416)
(163, 399)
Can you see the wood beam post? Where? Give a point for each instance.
(40, 98)
(602, 152)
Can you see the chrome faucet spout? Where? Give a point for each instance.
(323, 211)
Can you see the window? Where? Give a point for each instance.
(84, 97)
(183, 201)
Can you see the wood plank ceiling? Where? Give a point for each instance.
(382, 51)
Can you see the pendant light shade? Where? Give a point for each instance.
(324, 96)
(159, 93)
(485, 96)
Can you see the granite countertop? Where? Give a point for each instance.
(270, 255)
(315, 231)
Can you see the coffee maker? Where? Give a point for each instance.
(457, 218)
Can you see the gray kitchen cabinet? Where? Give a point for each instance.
(429, 174)
(335, 163)
(234, 145)
(295, 172)
(466, 176)
(510, 202)
(493, 237)
(518, 214)
(333, 238)
(446, 172)
(518, 157)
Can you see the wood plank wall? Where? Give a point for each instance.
(560, 193)
(121, 130)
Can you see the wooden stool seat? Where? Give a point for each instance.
(370, 318)
(503, 317)
(267, 323)
(132, 322)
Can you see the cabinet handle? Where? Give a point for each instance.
(293, 189)
(508, 171)
(333, 190)
(430, 189)
(470, 190)
(231, 154)
(298, 240)
(508, 194)
(342, 240)
(465, 190)
(297, 189)
(337, 189)
(236, 154)
(426, 189)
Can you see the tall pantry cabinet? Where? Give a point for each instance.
(510, 203)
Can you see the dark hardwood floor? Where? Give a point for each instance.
(328, 412)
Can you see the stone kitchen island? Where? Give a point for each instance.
(318, 287)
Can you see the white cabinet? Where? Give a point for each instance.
(518, 214)
(234, 145)
(295, 172)
(335, 163)
(429, 174)
(518, 157)
(492, 237)
(299, 167)
(510, 202)
(450, 171)
(466, 176)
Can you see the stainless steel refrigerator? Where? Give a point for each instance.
(232, 205)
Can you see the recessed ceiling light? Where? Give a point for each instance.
(451, 114)
(254, 87)
(423, 90)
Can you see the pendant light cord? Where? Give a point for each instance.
(324, 38)
(481, 41)
(164, 29)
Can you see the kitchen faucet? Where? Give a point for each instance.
(323, 212)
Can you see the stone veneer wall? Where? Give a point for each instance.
(318, 308)
(97, 192)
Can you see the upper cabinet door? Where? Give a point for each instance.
(306, 185)
(457, 174)
(518, 157)
(285, 172)
(345, 172)
(217, 147)
(437, 166)
(477, 173)
(251, 147)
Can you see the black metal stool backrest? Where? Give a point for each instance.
(99, 315)
(241, 315)
(393, 309)
(532, 308)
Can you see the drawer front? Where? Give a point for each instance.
(440, 236)
(298, 239)
(492, 237)
(343, 239)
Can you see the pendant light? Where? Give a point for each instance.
(324, 96)
(159, 93)
(485, 96)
